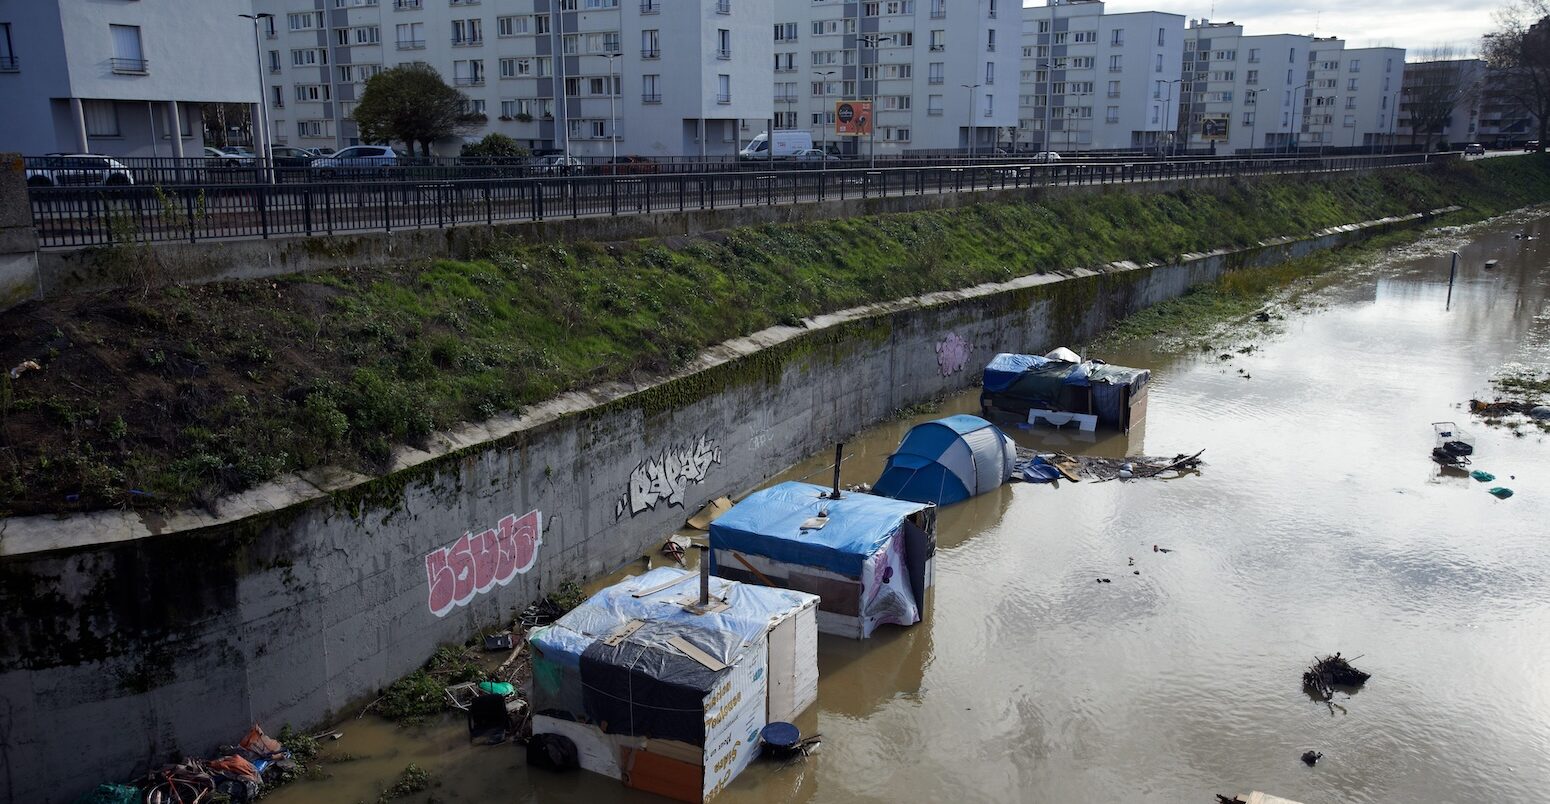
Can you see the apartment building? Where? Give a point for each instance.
(553, 74)
(1240, 92)
(1097, 81)
(1352, 97)
(942, 74)
(120, 78)
(1440, 101)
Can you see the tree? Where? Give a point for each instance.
(1436, 87)
(495, 145)
(410, 103)
(1519, 54)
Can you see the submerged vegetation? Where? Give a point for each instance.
(179, 395)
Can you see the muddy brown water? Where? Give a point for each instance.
(1318, 524)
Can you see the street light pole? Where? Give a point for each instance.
(613, 120)
(872, 40)
(1168, 115)
(970, 132)
(1254, 129)
(1296, 102)
(262, 143)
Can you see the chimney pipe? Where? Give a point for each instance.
(839, 455)
(704, 574)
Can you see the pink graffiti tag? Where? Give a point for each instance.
(477, 563)
(952, 352)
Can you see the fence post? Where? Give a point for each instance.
(263, 211)
(188, 203)
(613, 194)
(489, 206)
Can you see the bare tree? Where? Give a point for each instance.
(1438, 86)
(1519, 54)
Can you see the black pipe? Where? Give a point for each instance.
(839, 455)
(704, 574)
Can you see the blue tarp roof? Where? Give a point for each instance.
(769, 523)
(723, 634)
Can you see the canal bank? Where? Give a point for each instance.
(294, 603)
(1318, 524)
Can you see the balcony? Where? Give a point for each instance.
(651, 97)
(724, 55)
(723, 98)
(650, 8)
(130, 66)
(935, 79)
(411, 44)
(469, 81)
(465, 41)
(786, 98)
(650, 53)
(938, 48)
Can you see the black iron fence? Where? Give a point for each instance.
(82, 216)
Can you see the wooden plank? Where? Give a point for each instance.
(764, 579)
(664, 585)
(623, 632)
(711, 663)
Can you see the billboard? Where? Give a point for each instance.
(853, 118)
(1214, 128)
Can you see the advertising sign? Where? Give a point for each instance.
(853, 118)
(1214, 128)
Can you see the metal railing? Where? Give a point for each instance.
(96, 216)
(130, 66)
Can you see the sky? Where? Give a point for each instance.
(1416, 25)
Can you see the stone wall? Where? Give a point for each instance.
(132, 639)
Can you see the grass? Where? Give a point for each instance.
(177, 396)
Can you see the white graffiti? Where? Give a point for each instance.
(952, 352)
(666, 477)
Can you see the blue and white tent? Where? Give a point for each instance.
(948, 460)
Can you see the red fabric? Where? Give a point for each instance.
(236, 766)
(260, 743)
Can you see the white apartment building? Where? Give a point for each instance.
(1097, 81)
(118, 78)
(650, 77)
(1284, 91)
(1430, 88)
(941, 74)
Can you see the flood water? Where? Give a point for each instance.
(1319, 524)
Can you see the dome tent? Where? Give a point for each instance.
(948, 460)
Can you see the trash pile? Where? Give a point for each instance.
(1507, 407)
(1034, 467)
(1332, 671)
(238, 773)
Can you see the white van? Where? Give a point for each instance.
(787, 145)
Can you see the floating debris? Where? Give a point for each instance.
(1482, 476)
(1074, 467)
(1332, 671)
(1501, 492)
(1311, 757)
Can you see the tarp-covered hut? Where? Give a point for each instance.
(868, 558)
(948, 460)
(669, 696)
(1019, 384)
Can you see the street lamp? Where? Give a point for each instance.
(871, 40)
(1254, 128)
(970, 132)
(263, 101)
(613, 120)
(1167, 115)
(824, 76)
(1296, 102)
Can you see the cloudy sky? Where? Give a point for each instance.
(1415, 25)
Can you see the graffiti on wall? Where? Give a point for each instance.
(952, 353)
(477, 563)
(665, 477)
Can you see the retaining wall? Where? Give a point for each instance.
(132, 639)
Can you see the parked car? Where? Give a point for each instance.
(628, 166)
(75, 170)
(1474, 149)
(556, 165)
(1531, 145)
(815, 155)
(359, 160)
(289, 156)
(216, 157)
(1046, 156)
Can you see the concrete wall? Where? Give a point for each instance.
(19, 278)
(132, 639)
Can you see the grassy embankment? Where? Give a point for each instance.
(179, 395)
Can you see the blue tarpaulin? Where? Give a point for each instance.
(769, 523)
(948, 460)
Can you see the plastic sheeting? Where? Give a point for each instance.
(769, 523)
(947, 461)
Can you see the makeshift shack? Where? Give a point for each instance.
(948, 460)
(667, 694)
(1092, 392)
(868, 558)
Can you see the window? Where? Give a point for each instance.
(101, 118)
(785, 32)
(411, 35)
(904, 39)
(990, 40)
(127, 55)
(1350, 121)
(1111, 115)
(1117, 36)
(896, 134)
(1060, 39)
(516, 68)
(467, 32)
(651, 89)
(933, 104)
(1253, 55)
(1084, 37)
(723, 88)
(510, 26)
(1159, 63)
(308, 56)
(1162, 37)
(1350, 103)
(934, 72)
(315, 128)
(367, 35)
(938, 9)
(274, 61)
(938, 40)
(1115, 64)
(1043, 26)
(305, 21)
(312, 92)
(785, 62)
(651, 44)
(1248, 118)
(405, 5)
(1113, 89)
(896, 103)
(1252, 77)
(1351, 85)
(990, 73)
(1081, 62)
(990, 105)
(723, 43)
(541, 24)
(468, 73)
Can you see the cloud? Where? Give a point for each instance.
(1416, 25)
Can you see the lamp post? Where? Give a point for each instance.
(1168, 115)
(262, 143)
(1070, 119)
(1254, 128)
(1296, 102)
(871, 41)
(824, 75)
(970, 132)
(613, 120)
